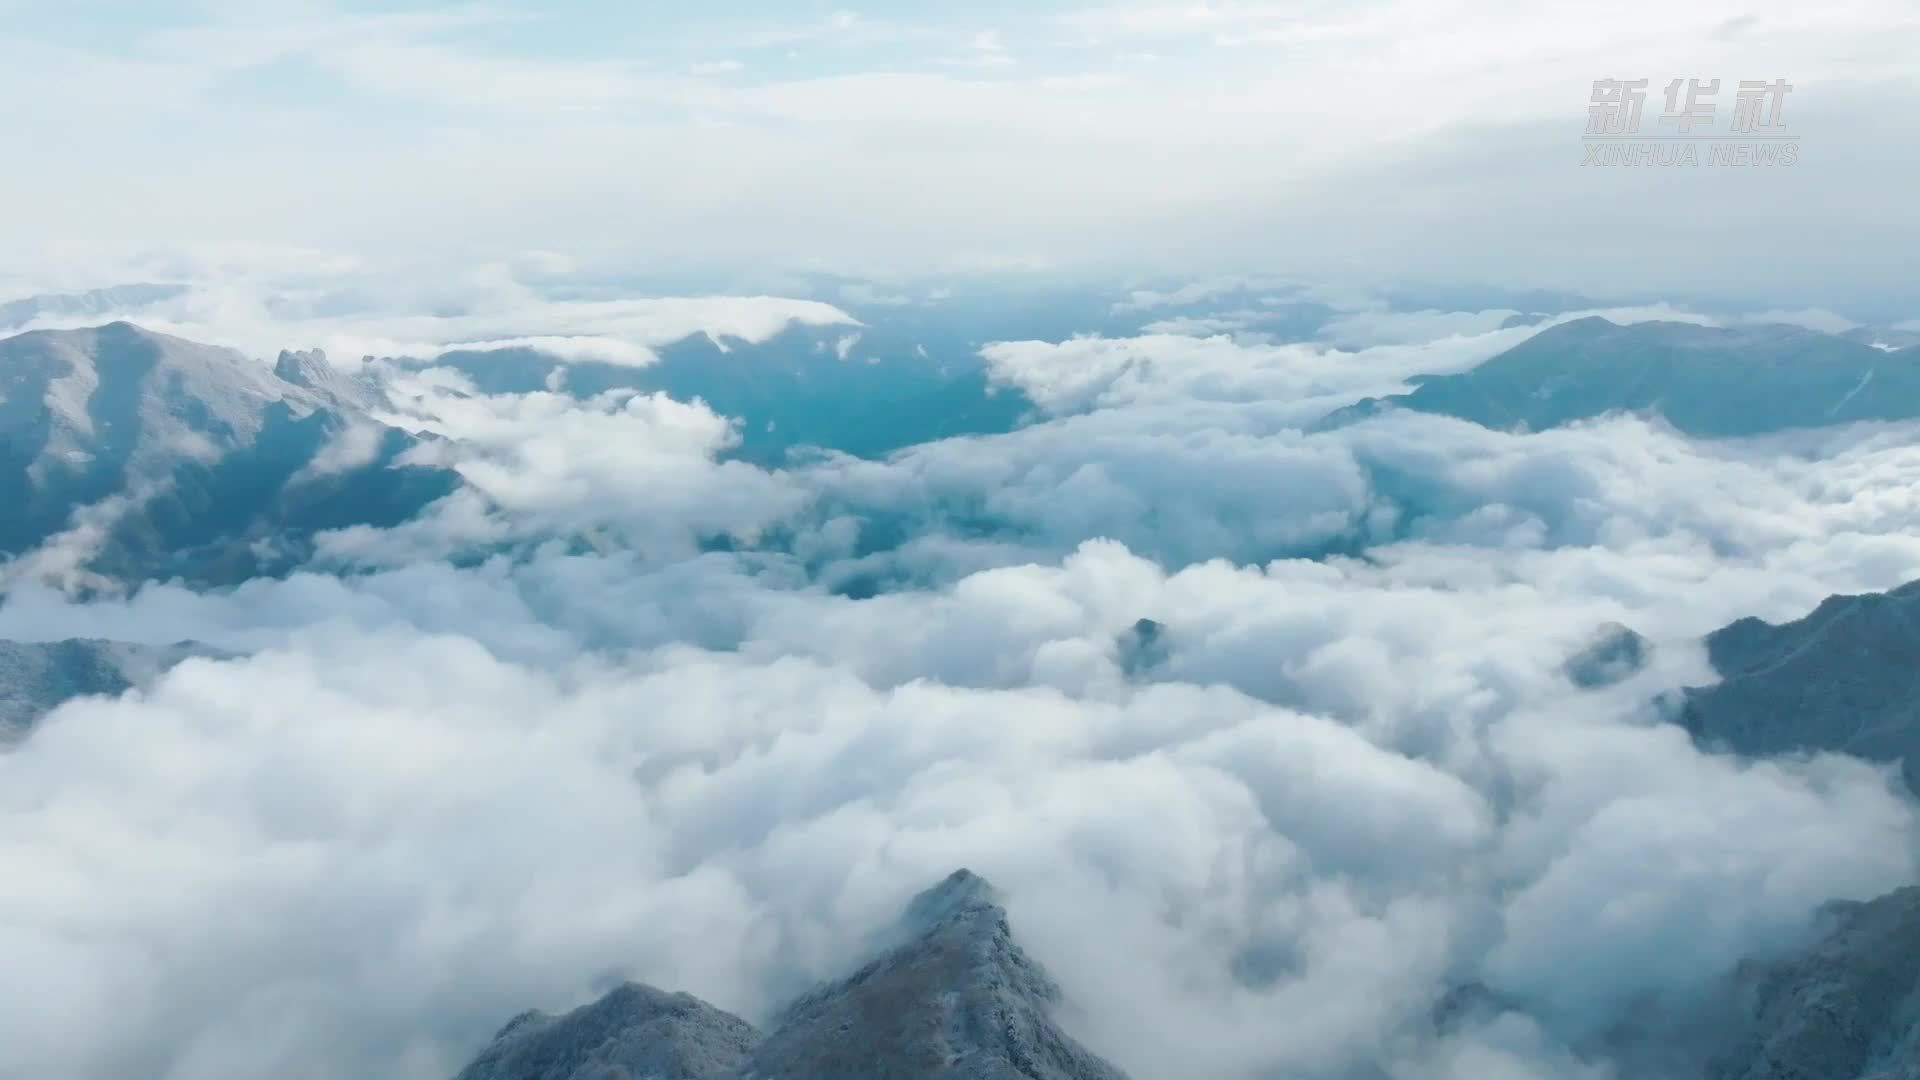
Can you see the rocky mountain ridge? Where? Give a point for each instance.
(955, 999)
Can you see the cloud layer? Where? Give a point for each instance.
(706, 725)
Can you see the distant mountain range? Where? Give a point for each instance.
(1706, 381)
(955, 999)
(89, 305)
(153, 456)
(140, 455)
(130, 455)
(863, 392)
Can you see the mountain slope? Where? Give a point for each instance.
(633, 1033)
(133, 454)
(1846, 1008)
(35, 677)
(1705, 381)
(1845, 678)
(959, 999)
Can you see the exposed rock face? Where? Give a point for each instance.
(633, 1033)
(1143, 647)
(35, 677)
(1848, 1008)
(1615, 654)
(1846, 678)
(310, 370)
(956, 999)
(1704, 380)
(126, 454)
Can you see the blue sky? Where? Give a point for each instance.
(1391, 136)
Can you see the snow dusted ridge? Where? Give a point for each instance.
(127, 454)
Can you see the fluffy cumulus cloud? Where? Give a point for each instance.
(622, 468)
(1193, 481)
(1364, 349)
(420, 836)
(623, 708)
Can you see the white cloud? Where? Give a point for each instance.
(864, 294)
(490, 309)
(1089, 373)
(637, 471)
(1315, 809)
(1374, 351)
(1819, 319)
(443, 793)
(357, 445)
(424, 838)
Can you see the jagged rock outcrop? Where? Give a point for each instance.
(1616, 653)
(633, 1033)
(1143, 647)
(310, 370)
(954, 999)
(1704, 380)
(35, 677)
(1846, 1008)
(1845, 678)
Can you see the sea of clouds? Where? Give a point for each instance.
(550, 735)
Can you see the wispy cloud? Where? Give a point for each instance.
(1026, 139)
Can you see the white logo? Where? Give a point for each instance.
(1756, 134)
